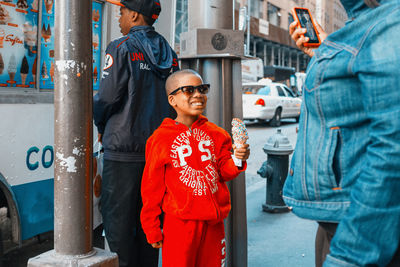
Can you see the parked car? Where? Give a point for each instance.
(271, 102)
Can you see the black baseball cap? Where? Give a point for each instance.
(148, 8)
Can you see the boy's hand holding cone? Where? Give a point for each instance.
(240, 136)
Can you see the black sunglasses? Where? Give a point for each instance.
(189, 89)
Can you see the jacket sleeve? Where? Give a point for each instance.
(113, 85)
(369, 233)
(226, 166)
(153, 190)
(175, 62)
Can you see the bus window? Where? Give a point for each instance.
(47, 63)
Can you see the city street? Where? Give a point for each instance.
(276, 240)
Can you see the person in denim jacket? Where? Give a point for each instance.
(345, 171)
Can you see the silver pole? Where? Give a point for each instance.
(224, 75)
(73, 128)
(248, 28)
(233, 15)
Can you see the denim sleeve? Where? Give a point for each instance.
(113, 85)
(369, 233)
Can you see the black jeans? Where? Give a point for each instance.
(121, 204)
(325, 233)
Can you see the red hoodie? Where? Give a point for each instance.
(185, 174)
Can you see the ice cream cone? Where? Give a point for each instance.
(46, 33)
(34, 66)
(44, 71)
(22, 4)
(24, 69)
(23, 78)
(35, 5)
(30, 37)
(95, 75)
(95, 41)
(12, 75)
(4, 16)
(1, 64)
(12, 67)
(2, 34)
(96, 15)
(49, 6)
(52, 71)
(240, 136)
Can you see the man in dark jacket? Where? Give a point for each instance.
(130, 105)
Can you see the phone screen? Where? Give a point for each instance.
(306, 22)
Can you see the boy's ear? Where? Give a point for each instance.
(171, 100)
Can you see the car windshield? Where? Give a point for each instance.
(264, 91)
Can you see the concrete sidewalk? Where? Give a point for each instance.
(274, 240)
(277, 239)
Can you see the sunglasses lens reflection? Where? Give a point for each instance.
(189, 90)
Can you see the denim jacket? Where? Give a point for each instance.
(346, 165)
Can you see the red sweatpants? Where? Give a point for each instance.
(192, 243)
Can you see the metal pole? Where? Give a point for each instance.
(73, 136)
(224, 75)
(73, 128)
(233, 15)
(248, 28)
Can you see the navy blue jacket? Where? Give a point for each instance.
(132, 102)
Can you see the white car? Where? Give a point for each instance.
(272, 102)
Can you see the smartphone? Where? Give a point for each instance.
(304, 19)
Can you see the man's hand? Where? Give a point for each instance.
(242, 153)
(297, 35)
(100, 138)
(157, 244)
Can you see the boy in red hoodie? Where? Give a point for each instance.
(188, 161)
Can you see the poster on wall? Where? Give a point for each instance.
(96, 31)
(18, 43)
(47, 62)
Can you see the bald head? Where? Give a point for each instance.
(178, 79)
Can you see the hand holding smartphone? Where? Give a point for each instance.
(304, 19)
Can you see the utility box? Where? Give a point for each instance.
(210, 42)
